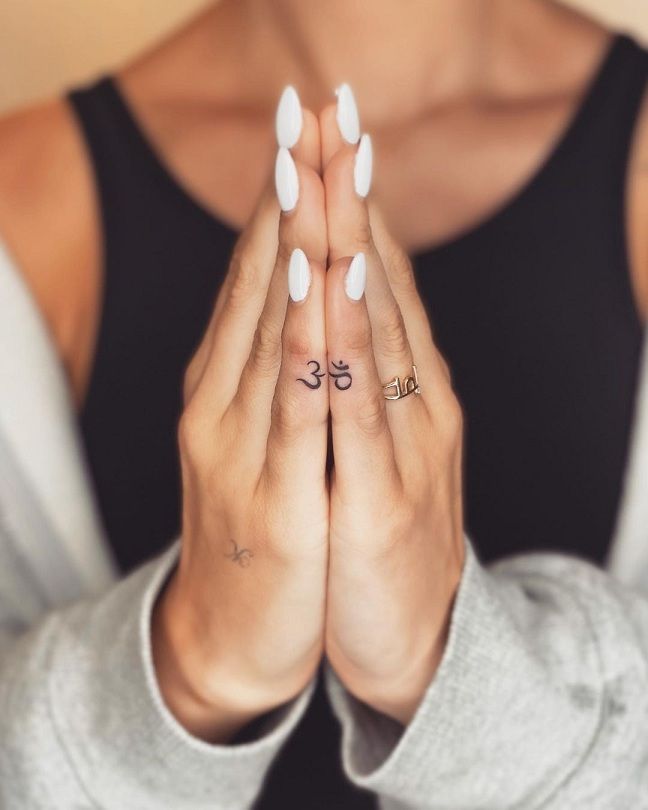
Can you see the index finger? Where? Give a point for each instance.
(242, 295)
(260, 234)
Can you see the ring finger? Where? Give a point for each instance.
(350, 234)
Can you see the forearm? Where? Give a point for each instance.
(82, 715)
(207, 676)
(541, 699)
(181, 672)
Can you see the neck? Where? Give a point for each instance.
(403, 58)
(396, 55)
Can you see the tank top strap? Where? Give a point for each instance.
(601, 132)
(122, 157)
(119, 158)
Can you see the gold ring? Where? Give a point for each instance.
(410, 385)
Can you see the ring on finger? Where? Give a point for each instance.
(395, 389)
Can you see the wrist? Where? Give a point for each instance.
(212, 697)
(394, 694)
(182, 677)
(393, 682)
(392, 669)
(401, 696)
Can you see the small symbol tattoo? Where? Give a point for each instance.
(242, 556)
(341, 375)
(317, 374)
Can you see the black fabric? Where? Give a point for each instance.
(533, 310)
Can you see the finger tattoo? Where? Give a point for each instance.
(341, 375)
(317, 374)
(242, 556)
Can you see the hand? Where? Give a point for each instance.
(239, 628)
(396, 534)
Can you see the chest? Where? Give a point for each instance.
(434, 178)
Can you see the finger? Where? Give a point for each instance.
(347, 160)
(308, 149)
(297, 129)
(365, 466)
(349, 232)
(348, 225)
(240, 297)
(348, 171)
(330, 135)
(402, 281)
(246, 286)
(339, 123)
(251, 263)
(296, 448)
(305, 228)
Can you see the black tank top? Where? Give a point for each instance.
(533, 310)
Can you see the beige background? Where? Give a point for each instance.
(46, 45)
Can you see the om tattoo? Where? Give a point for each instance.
(242, 556)
(317, 374)
(341, 375)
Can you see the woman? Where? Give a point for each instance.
(510, 143)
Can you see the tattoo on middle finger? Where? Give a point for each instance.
(317, 375)
(341, 375)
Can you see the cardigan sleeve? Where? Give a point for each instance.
(83, 723)
(540, 701)
(82, 720)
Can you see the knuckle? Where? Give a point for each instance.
(357, 341)
(192, 435)
(244, 275)
(266, 348)
(195, 368)
(287, 417)
(395, 530)
(297, 346)
(284, 252)
(451, 421)
(445, 368)
(370, 414)
(393, 336)
(190, 380)
(401, 271)
(455, 416)
(399, 522)
(362, 235)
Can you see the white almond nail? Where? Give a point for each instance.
(363, 167)
(356, 277)
(347, 114)
(299, 275)
(286, 180)
(289, 120)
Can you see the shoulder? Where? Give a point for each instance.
(44, 178)
(576, 45)
(47, 216)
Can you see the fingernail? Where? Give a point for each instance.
(286, 180)
(363, 167)
(356, 277)
(299, 275)
(289, 120)
(347, 114)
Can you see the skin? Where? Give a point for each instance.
(396, 524)
(504, 76)
(257, 537)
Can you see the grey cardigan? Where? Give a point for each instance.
(541, 700)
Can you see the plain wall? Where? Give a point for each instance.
(47, 45)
